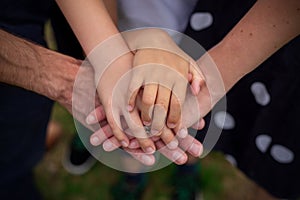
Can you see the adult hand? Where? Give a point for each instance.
(173, 152)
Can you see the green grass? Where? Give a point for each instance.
(219, 179)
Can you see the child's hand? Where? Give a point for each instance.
(164, 76)
(164, 71)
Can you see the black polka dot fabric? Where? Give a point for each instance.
(260, 128)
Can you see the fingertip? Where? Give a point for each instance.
(196, 86)
(133, 144)
(171, 125)
(108, 146)
(130, 107)
(200, 125)
(173, 144)
(124, 143)
(190, 77)
(149, 150)
(179, 158)
(195, 149)
(146, 123)
(94, 140)
(147, 159)
(91, 119)
(182, 133)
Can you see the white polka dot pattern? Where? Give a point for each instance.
(201, 20)
(260, 92)
(282, 154)
(263, 142)
(224, 120)
(231, 160)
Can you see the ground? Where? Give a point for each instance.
(219, 179)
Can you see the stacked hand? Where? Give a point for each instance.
(153, 86)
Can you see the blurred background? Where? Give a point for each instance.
(219, 179)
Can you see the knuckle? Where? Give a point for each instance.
(148, 100)
(163, 102)
(167, 136)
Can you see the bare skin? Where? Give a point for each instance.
(260, 33)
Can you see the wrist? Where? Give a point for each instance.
(227, 63)
(56, 75)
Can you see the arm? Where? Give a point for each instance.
(37, 69)
(89, 20)
(92, 25)
(266, 27)
(112, 8)
(48, 73)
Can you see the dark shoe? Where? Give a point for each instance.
(77, 159)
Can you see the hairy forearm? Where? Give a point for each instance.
(36, 68)
(269, 25)
(16, 61)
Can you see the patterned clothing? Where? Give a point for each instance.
(260, 134)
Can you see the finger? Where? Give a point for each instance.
(148, 100)
(191, 145)
(200, 125)
(101, 135)
(134, 87)
(181, 131)
(198, 79)
(174, 112)
(176, 155)
(96, 115)
(138, 154)
(134, 144)
(169, 139)
(136, 129)
(115, 124)
(160, 110)
(111, 144)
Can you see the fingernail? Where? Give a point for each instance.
(173, 144)
(171, 125)
(180, 158)
(91, 119)
(95, 140)
(147, 159)
(146, 123)
(107, 146)
(133, 144)
(182, 133)
(154, 132)
(150, 150)
(130, 108)
(176, 156)
(124, 143)
(195, 150)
